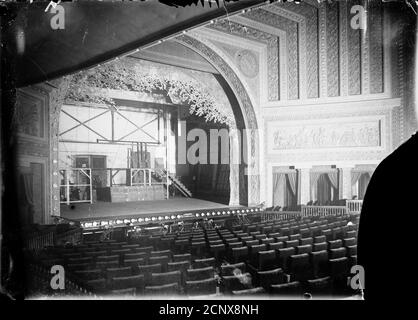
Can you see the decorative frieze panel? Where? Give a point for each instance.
(341, 133)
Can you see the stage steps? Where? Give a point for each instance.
(162, 174)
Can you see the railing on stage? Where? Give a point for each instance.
(354, 206)
(321, 211)
(138, 174)
(76, 185)
(40, 241)
(351, 207)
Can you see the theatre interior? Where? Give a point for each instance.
(110, 102)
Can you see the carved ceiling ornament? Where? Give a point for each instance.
(247, 63)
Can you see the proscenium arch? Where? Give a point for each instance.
(243, 111)
(249, 181)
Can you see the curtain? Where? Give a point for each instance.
(355, 176)
(28, 187)
(363, 183)
(278, 188)
(333, 179)
(290, 194)
(314, 185)
(323, 189)
(292, 178)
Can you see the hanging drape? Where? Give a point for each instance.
(28, 188)
(363, 183)
(291, 190)
(278, 188)
(323, 189)
(314, 176)
(292, 178)
(355, 175)
(333, 179)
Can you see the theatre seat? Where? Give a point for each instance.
(181, 246)
(232, 269)
(95, 254)
(282, 238)
(321, 287)
(296, 236)
(103, 265)
(80, 260)
(163, 260)
(147, 270)
(201, 287)
(86, 275)
(163, 290)
(349, 242)
(137, 282)
(305, 233)
(320, 246)
(143, 249)
(124, 292)
(200, 274)
(134, 263)
(263, 260)
(304, 249)
(218, 251)
(118, 272)
(275, 245)
(182, 257)
(319, 262)
(203, 263)
(266, 278)
(291, 243)
(158, 279)
(305, 241)
(286, 289)
(283, 255)
(72, 266)
(320, 239)
(249, 292)
(97, 286)
(351, 250)
(334, 244)
(111, 258)
(180, 266)
(236, 282)
(337, 253)
(160, 253)
(198, 249)
(299, 267)
(351, 234)
(249, 243)
(130, 256)
(239, 254)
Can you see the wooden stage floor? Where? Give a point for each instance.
(87, 211)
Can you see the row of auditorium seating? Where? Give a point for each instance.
(286, 256)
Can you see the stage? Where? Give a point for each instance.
(138, 209)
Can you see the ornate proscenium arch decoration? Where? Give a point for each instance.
(246, 111)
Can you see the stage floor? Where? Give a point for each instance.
(87, 211)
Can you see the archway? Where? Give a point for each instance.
(245, 175)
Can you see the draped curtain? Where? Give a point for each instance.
(314, 185)
(279, 179)
(323, 189)
(291, 190)
(28, 188)
(363, 183)
(333, 179)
